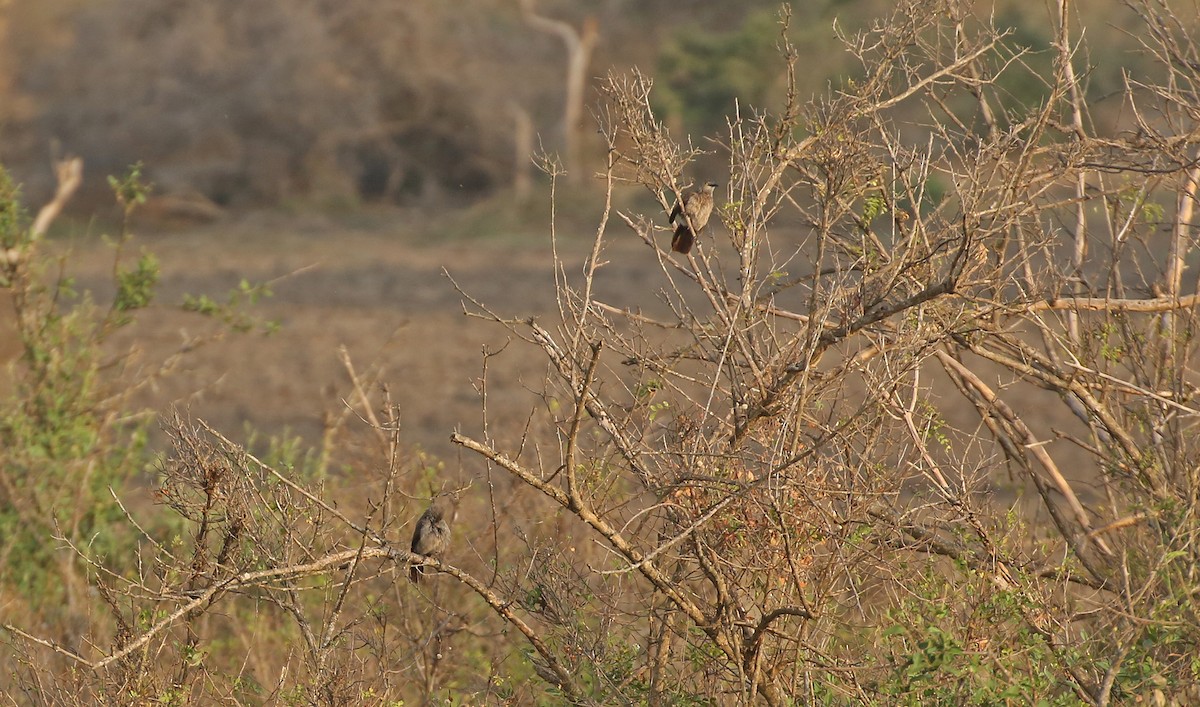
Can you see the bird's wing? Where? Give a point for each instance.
(675, 212)
(698, 206)
(417, 538)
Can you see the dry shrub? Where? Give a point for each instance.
(751, 490)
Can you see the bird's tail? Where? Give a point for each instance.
(415, 572)
(681, 242)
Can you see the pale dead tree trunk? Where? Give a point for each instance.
(1180, 245)
(1068, 78)
(523, 142)
(579, 45)
(69, 173)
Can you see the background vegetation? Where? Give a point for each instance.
(748, 491)
(420, 102)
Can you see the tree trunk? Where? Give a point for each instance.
(523, 142)
(579, 46)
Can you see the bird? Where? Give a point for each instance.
(431, 537)
(692, 215)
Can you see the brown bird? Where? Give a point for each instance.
(692, 216)
(431, 537)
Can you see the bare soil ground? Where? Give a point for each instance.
(377, 289)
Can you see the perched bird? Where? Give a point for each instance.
(690, 217)
(431, 537)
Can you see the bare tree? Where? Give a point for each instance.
(769, 460)
(579, 44)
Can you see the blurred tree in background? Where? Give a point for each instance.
(258, 102)
(705, 74)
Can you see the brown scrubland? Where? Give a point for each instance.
(911, 423)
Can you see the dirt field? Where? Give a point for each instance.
(376, 288)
